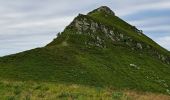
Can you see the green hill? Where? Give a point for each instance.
(98, 49)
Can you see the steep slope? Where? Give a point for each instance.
(96, 49)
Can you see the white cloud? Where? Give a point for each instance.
(52, 23)
(157, 28)
(150, 6)
(22, 20)
(164, 41)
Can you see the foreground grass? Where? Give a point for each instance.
(17, 90)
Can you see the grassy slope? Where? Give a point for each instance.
(107, 67)
(67, 60)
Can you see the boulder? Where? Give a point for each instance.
(78, 25)
(93, 26)
(139, 45)
(121, 36)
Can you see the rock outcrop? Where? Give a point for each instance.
(85, 25)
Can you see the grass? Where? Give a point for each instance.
(68, 60)
(28, 90)
(94, 67)
(17, 90)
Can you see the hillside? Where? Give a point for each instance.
(98, 49)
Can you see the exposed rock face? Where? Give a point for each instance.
(139, 45)
(78, 25)
(93, 26)
(111, 32)
(84, 25)
(121, 36)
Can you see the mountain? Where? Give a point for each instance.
(98, 49)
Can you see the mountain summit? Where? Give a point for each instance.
(97, 49)
(102, 28)
(103, 9)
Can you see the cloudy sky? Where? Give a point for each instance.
(27, 24)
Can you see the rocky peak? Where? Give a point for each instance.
(84, 24)
(104, 35)
(103, 9)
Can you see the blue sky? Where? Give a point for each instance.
(27, 24)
